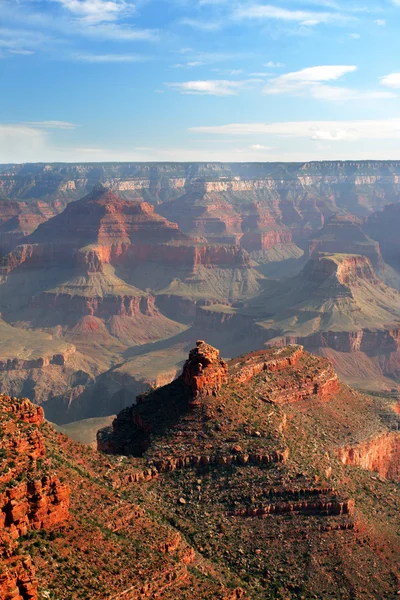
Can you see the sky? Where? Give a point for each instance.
(199, 80)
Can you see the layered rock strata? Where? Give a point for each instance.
(204, 372)
(29, 500)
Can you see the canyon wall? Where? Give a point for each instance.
(380, 454)
(30, 498)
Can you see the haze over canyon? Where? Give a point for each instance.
(110, 272)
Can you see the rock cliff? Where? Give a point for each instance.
(204, 372)
(31, 497)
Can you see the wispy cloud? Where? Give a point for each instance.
(306, 17)
(202, 24)
(307, 80)
(188, 65)
(314, 130)
(50, 124)
(22, 52)
(67, 19)
(110, 58)
(211, 87)
(98, 11)
(313, 81)
(273, 65)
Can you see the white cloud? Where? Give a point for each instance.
(314, 130)
(211, 87)
(312, 81)
(391, 81)
(97, 19)
(306, 80)
(259, 147)
(51, 124)
(109, 58)
(21, 142)
(355, 36)
(22, 52)
(273, 65)
(313, 75)
(98, 11)
(258, 11)
(188, 65)
(118, 32)
(380, 22)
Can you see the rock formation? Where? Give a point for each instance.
(384, 226)
(204, 372)
(229, 497)
(171, 251)
(29, 500)
(336, 303)
(343, 234)
(242, 449)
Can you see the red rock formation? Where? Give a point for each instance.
(105, 219)
(343, 234)
(204, 372)
(380, 454)
(37, 504)
(319, 507)
(322, 385)
(244, 369)
(18, 582)
(28, 500)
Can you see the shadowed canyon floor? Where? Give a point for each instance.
(261, 478)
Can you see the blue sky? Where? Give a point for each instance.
(229, 80)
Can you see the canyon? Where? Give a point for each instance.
(115, 270)
(225, 484)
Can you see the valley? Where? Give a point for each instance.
(112, 271)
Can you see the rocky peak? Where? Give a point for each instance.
(204, 372)
(344, 269)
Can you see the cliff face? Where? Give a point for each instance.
(266, 449)
(343, 234)
(204, 376)
(30, 498)
(204, 372)
(38, 552)
(384, 226)
(380, 454)
(252, 204)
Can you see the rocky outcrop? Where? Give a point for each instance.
(29, 500)
(380, 454)
(36, 504)
(344, 271)
(102, 307)
(245, 368)
(18, 582)
(104, 219)
(15, 364)
(371, 342)
(334, 507)
(344, 234)
(204, 372)
(298, 386)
